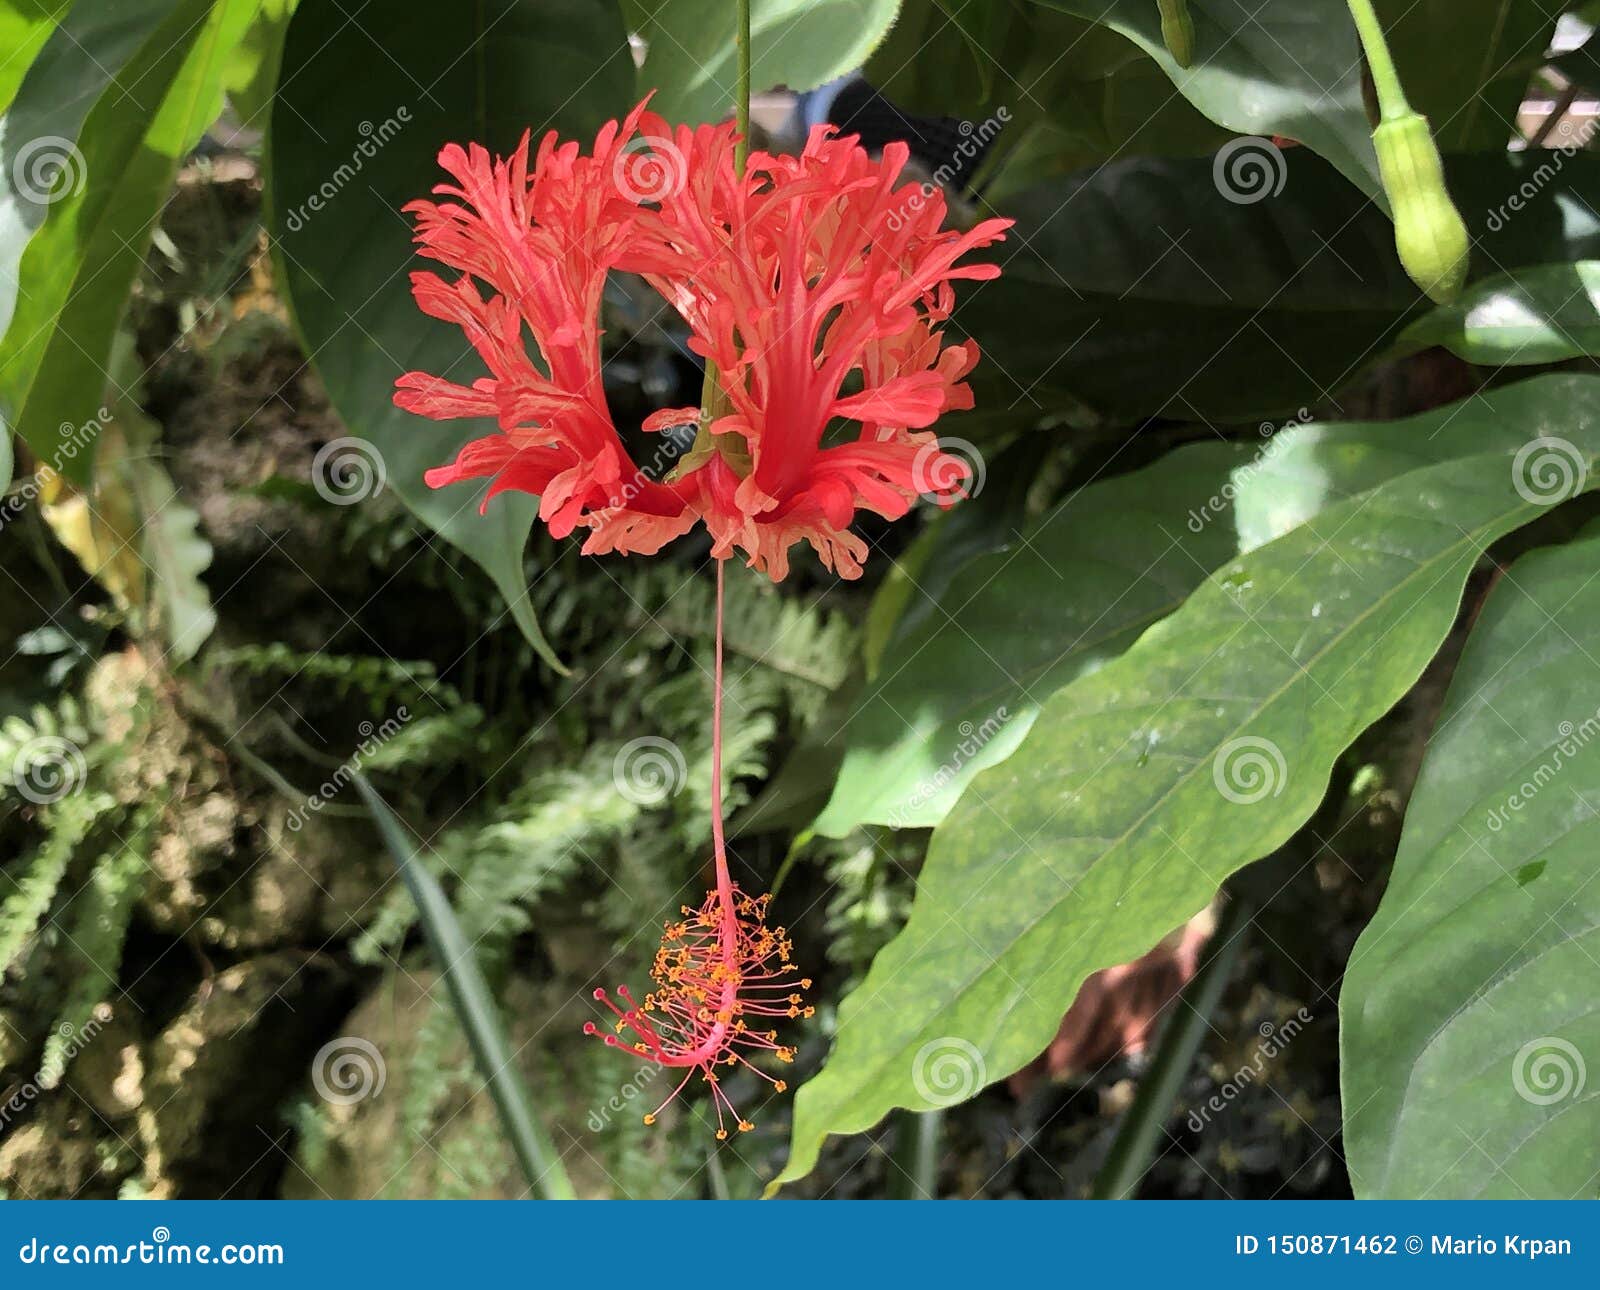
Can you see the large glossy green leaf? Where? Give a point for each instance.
(1264, 67)
(1469, 1025)
(960, 688)
(1466, 63)
(1069, 93)
(88, 155)
(1139, 289)
(691, 61)
(1292, 67)
(1143, 785)
(348, 151)
(1544, 314)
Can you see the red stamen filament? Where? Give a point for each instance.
(715, 970)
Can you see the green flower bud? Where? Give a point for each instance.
(1177, 29)
(1428, 230)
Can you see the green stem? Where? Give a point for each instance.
(741, 102)
(1392, 103)
(1142, 1126)
(916, 1155)
(475, 1007)
(713, 403)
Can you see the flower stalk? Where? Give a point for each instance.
(1430, 235)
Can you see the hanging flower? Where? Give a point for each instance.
(815, 286)
(721, 977)
(817, 292)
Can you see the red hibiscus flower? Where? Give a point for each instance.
(815, 286)
(816, 291)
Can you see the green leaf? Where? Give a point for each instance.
(169, 543)
(1162, 293)
(29, 897)
(1167, 299)
(1469, 1030)
(692, 62)
(96, 183)
(24, 27)
(1143, 785)
(1546, 314)
(474, 1005)
(1278, 67)
(1466, 64)
(253, 71)
(959, 690)
(348, 151)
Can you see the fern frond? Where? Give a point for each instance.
(70, 820)
(94, 937)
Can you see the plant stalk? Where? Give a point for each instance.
(916, 1155)
(1392, 102)
(474, 1005)
(1140, 1131)
(741, 102)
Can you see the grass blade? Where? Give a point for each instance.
(474, 1006)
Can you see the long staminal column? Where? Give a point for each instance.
(720, 971)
